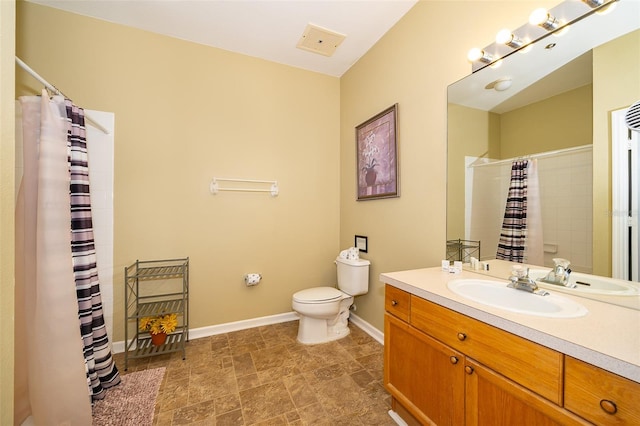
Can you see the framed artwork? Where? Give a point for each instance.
(377, 156)
(361, 243)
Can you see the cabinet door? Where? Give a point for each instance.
(601, 396)
(494, 400)
(424, 375)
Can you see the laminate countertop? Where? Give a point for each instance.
(608, 336)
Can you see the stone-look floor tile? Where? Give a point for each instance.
(244, 337)
(276, 421)
(248, 382)
(174, 395)
(358, 351)
(292, 416)
(263, 376)
(243, 364)
(271, 357)
(224, 404)
(377, 414)
(304, 360)
(363, 378)
(341, 396)
(265, 401)
(209, 385)
(352, 366)
(194, 413)
(241, 349)
(277, 373)
(231, 418)
(301, 393)
(163, 418)
(312, 413)
(326, 373)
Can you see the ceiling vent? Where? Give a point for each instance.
(320, 40)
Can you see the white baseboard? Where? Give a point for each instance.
(213, 330)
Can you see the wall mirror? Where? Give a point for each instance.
(556, 103)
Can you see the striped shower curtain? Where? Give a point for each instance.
(511, 245)
(101, 370)
(62, 356)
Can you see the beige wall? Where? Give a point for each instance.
(184, 114)
(412, 65)
(7, 207)
(470, 132)
(618, 65)
(562, 121)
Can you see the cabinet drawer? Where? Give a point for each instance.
(535, 367)
(600, 396)
(397, 302)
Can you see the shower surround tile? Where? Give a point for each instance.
(263, 376)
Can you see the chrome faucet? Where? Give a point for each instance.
(559, 275)
(520, 280)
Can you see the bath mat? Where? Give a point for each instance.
(132, 402)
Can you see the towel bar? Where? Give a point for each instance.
(214, 187)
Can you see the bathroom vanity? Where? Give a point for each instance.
(450, 360)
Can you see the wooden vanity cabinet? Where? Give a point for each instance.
(441, 378)
(491, 399)
(600, 396)
(425, 376)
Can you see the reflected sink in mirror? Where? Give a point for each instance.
(496, 294)
(588, 284)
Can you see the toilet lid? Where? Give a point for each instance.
(317, 294)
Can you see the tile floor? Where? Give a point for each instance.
(263, 376)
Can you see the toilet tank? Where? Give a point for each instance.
(353, 276)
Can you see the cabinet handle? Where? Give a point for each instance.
(394, 302)
(453, 359)
(468, 369)
(608, 406)
(462, 336)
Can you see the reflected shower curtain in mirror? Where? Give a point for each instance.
(53, 381)
(511, 245)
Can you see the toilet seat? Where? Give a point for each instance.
(318, 295)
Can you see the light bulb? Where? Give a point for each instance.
(538, 16)
(544, 19)
(474, 54)
(504, 36)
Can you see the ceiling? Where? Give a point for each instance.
(267, 29)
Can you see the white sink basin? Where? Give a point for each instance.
(588, 284)
(498, 295)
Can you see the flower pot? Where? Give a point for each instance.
(370, 177)
(158, 339)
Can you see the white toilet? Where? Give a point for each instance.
(324, 311)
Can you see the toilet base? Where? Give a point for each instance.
(313, 331)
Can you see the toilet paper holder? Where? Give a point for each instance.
(252, 279)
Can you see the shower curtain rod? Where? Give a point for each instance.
(57, 91)
(539, 155)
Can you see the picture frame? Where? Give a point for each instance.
(361, 243)
(377, 156)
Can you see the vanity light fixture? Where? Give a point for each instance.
(542, 18)
(506, 37)
(555, 21)
(480, 55)
(593, 3)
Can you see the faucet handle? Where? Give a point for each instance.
(558, 261)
